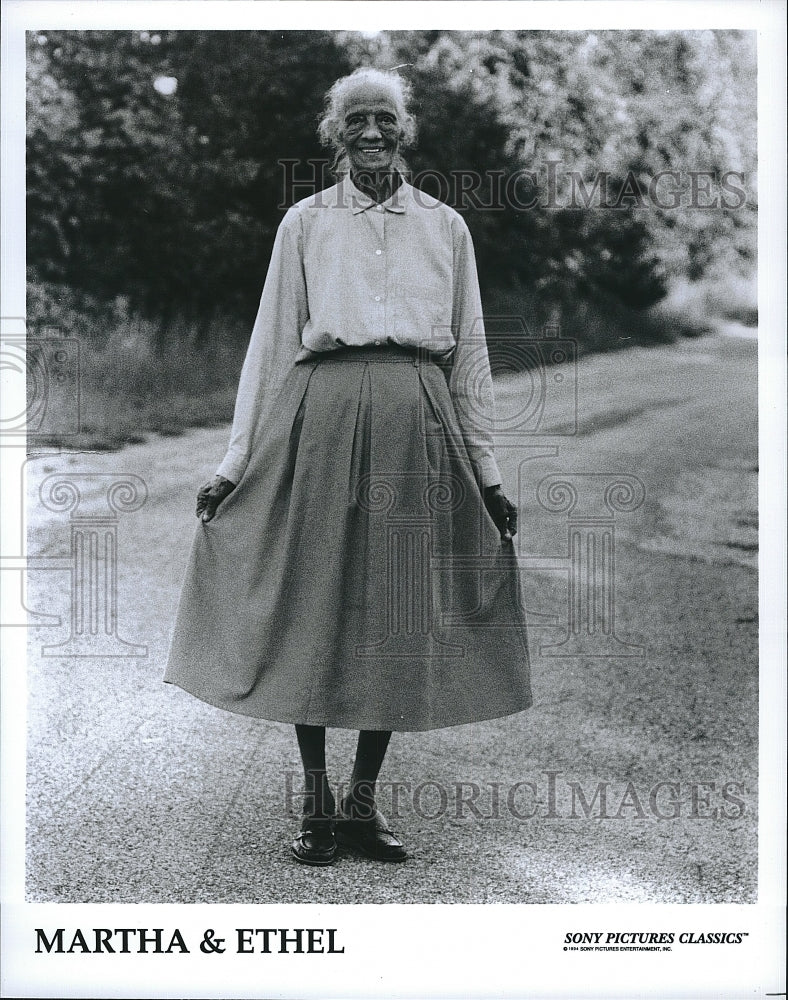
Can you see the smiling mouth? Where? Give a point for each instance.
(372, 149)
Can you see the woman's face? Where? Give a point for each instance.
(370, 131)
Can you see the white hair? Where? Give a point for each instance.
(331, 121)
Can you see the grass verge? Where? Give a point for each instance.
(137, 377)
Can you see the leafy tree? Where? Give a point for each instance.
(155, 173)
(625, 104)
(170, 199)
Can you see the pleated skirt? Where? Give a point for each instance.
(354, 578)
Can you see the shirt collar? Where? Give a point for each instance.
(361, 202)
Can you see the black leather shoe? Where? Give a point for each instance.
(371, 837)
(315, 843)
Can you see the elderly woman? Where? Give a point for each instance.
(353, 566)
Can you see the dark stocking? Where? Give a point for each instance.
(318, 800)
(371, 749)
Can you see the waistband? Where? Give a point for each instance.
(386, 353)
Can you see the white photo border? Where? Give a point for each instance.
(434, 950)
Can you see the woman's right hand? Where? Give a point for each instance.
(211, 495)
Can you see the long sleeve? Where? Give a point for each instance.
(275, 340)
(471, 381)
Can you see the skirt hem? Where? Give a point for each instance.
(396, 727)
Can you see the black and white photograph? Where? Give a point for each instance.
(393, 448)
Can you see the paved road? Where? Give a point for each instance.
(139, 793)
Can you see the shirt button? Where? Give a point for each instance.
(377, 298)
(378, 252)
(379, 208)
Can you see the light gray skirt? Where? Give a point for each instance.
(354, 578)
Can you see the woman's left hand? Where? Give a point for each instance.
(211, 495)
(502, 511)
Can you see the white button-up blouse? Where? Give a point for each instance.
(347, 272)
